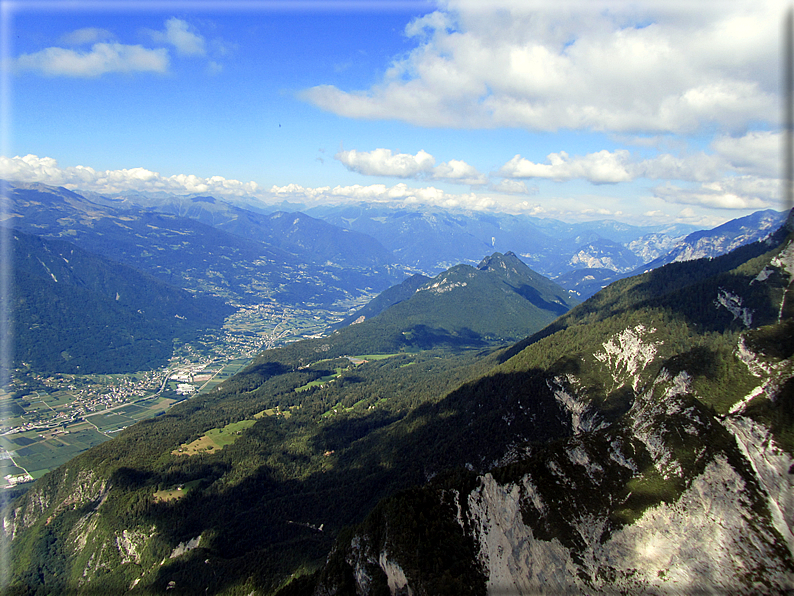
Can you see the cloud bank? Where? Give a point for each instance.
(741, 173)
(380, 193)
(46, 170)
(598, 66)
(32, 168)
(101, 59)
(738, 192)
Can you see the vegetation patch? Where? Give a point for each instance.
(173, 494)
(215, 439)
(319, 382)
(277, 411)
(372, 357)
(646, 491)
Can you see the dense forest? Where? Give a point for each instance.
(77, 312)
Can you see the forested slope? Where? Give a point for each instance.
(77, 312)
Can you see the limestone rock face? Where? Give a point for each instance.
(668, 500)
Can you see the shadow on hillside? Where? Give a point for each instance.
(677, 292)
(425, 337)
(281, 523)
(532, 295)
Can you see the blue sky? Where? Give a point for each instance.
(646, 112)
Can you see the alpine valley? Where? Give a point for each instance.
(454, 420)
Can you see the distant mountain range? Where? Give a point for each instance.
(722, 239)
(295, 232)
(433, 240)
(297, 268)
(248, 255)
(428, 241)
(697, 245)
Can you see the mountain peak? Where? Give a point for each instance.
(500, 261)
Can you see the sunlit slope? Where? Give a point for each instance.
(500, 300)
(390, 297)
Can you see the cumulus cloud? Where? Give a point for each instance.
(102, 58)
(754, 153)
(602, 167)
(32, 168)
(382, 162)
(742, 173)
(181, 36)
(605, 66)
(757, 153)
(739, 192)
(380, 193)
(107, 55)
(459, 171)
(696, 167)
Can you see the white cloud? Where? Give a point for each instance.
(102, 58)
(605, 66)
(178, 33)
(513, 187)
(606, 167)
(602, 167)
(382, 162)
(106, 55)
(758, 153)
(32, 168)
(739, 192)
(459, 171)
(697, 167)
(380, 193)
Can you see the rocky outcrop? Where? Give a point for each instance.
(65, 490)
(669, 499)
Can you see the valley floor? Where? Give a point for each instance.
(50, 418)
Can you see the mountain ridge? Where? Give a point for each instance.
(188, 253)
(680, 470)
(500, 300)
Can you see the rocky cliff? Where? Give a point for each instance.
(690, 491)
